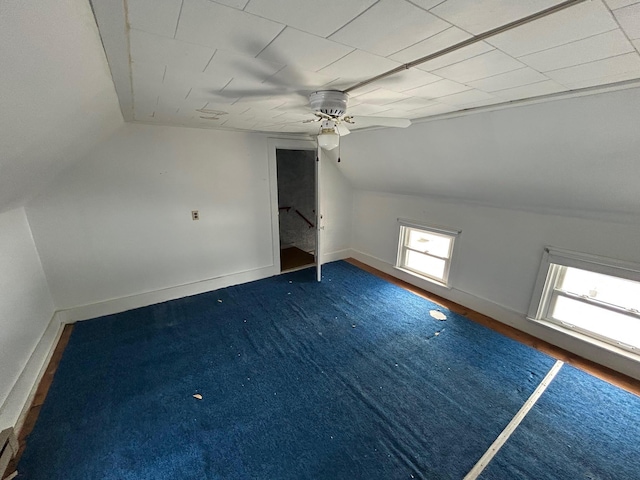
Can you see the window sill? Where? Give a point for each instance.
(422, 277)
(630, 354)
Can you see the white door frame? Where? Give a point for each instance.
(287, 144)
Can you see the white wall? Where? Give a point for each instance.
(497, 256)
(56, 93)
(337, 198)
(119, 223)
(26, 308)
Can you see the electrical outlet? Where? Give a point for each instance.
(195, 215)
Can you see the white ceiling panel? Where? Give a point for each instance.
(466, 98)
(411, 103)
(357, 66)
(479, 16)
(598, 47)
(407, 79)
(482, 66)
(438, 89)
(320, 18)
(622, 64)
(231, 64)
(388, 27)
(239, 4)
(592, 82)
(258, 61)
(529, 91)
(381, 96)
(629, 19)
(158, 50)
(458, 56)
(515, 78)
(613, 4)
(310, 52)
(580, 21)
(210, 24)
(434, 109)
(153, 16)
(439, 41)
(298, 80)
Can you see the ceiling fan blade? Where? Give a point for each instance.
(367, 121)
(342, 129)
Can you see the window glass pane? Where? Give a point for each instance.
(428, 242)
(431, 266)
(605, 288)
(613, 325)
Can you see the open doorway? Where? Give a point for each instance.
(296, 174)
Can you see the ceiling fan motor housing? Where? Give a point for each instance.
(329, 102)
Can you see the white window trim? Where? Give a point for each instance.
(542, 294)
(403, 222)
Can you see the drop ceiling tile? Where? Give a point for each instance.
(629, 19)
(411, 103)
(298, 80)
(613, 4)
(439, 41)
(389, 26)
(210, 24)
(407, 79)
(588, 50)
(435, 109)
(155, 49)
(515, 78)
(358, 66)
(479, 16)
(482, 66)
(575, 23)
(231, 64)
(152, 16)
(367, 109)
(458, 56)
(239, 4)
(591, 82)
(319, 18)
(293, 47)
(426, 4)
(466, 98)
(395, 113)
(529, 91)
(622, 64)
(437, 89)
(381, 96)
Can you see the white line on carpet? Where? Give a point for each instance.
(513, 424)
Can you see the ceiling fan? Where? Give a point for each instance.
(330, 108)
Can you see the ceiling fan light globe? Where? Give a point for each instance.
(328, 140)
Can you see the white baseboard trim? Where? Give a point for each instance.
(518, 320)
(122, 304)
(14, 409)
(334, 256)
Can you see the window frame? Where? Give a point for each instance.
(546, 292)
(404, 226)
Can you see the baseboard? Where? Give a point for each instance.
(618, 362)
(334, 256)
(122, 304)
(16, 406)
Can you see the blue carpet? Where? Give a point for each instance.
(581, 429)
(348, 378)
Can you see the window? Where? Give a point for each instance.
(596, 297)
(425, 251)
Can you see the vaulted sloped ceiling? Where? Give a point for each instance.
(252, 63)
(57, 98)
(579, 156)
